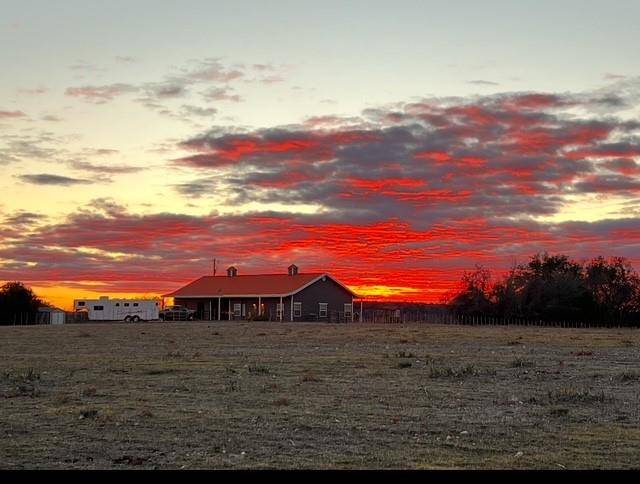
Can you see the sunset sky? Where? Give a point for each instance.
(392, 144)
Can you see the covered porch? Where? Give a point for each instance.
(235, 308)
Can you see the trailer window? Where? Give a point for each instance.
(126, 305)
(322, 310)
(117, 304)
(80, 303)
(98, 308)
(135, 304)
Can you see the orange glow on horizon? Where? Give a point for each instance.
(63, 296)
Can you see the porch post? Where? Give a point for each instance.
(281, 308)
(352, 309)
(219, 314)
(259, 306)
(229, 309)
(210, 310)
(360, 309)
(292, 308)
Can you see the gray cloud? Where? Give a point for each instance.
(480, 82)
(49, 179)
(23, 218)
(86, 66)
(198, 188)
(104, 168)
(221, 94)
(34, 91)
(208, 72)
(189, 110)
(101, 94)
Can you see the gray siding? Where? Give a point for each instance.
(327, 291)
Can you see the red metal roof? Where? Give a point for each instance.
(264, 285)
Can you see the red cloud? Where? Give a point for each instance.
(410, 197)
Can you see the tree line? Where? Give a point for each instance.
(554, 288)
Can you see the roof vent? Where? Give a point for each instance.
(293, 270)
(232, 271)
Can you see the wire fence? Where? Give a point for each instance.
(42, 317)
(368, 316)
(398, 316)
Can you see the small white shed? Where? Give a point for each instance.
(52, 315)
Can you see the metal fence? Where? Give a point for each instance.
(369, 316)
(399, 316)
(21, 319)
(24, 319)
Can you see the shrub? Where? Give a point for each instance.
(257, 369)
(559, 412)
(405, 354)
(522, 363)
(627, 376)
(88, 414)
(583, 353)
(462, 372)
(572, 395)
(89, 392)
(310, 377)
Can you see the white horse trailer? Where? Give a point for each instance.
(105, 309)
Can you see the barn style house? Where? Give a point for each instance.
(292, 296)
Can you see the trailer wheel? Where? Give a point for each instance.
(135, 319)
(127, 319)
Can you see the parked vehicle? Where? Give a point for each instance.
(177, 313)
(129, 310)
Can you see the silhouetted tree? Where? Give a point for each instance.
(615, 287)
(16, 298)
(473, 297)
(505, 296)
(553, 287)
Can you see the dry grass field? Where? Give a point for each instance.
(273, 395)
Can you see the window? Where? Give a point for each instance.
(278, 310)
(126, 305)
(135, 304)
(80, 303)
(236, 309)
(98, 308)
(117, 304)
(348, 308)
(322, 312)
(297, 309)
